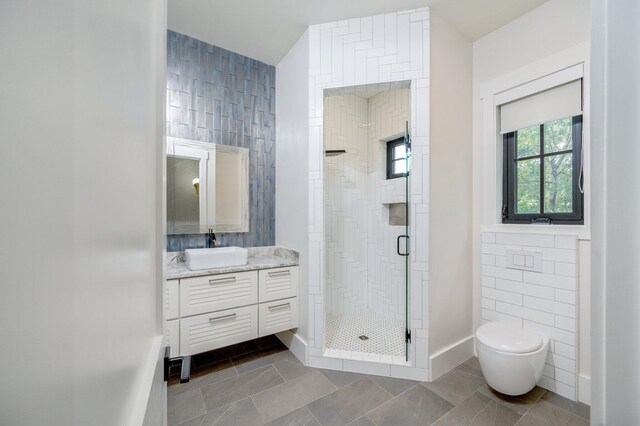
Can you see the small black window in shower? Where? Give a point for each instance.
(397, 162)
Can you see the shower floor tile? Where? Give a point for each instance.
(384, 335)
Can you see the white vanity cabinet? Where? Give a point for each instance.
(171, 300)
(277, 316)
(209, 312)
(171, 313)
(212, 293)
(202, 333)
(278, 283)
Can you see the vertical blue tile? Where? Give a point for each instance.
(223, 97)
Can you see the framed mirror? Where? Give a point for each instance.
(207, 187)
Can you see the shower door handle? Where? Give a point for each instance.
(406, 245)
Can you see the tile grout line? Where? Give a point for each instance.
(531, 295)
(311, 412)
(485, 408)
(519, 420)
(258, 410)
(248, 396)
(534, 309)
(202, 398)
(284, 381)
(203, 405)
(531, 406)
(565, 410)
(356, 381)
(386, 402)
(241, 399)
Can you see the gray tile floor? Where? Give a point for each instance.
(262, 383)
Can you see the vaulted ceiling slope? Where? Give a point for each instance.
(267, 29)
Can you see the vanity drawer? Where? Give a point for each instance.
(203, 333)
(279, 315)
(217, 292)
(171, 296)
(172, 337)
(278, 283)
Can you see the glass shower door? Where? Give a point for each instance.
(404, 248)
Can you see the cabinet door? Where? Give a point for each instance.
(203, 333)
(171, 302)
(278, 316)
(172, 337)
(211, 293)
(278, 283)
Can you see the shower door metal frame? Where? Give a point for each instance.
(407, 263)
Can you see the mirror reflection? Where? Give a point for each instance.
(183, 189)
(207, 187)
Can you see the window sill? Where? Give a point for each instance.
(581, 231)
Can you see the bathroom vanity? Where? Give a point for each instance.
(210, 309)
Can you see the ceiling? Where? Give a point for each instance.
(267, 29)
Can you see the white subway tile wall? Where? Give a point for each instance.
(377, 49)
(388, 113)
(545, 302)
(362, 268)
(346, 205)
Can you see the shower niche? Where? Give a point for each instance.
(367, 172)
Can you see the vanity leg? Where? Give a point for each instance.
(186, 369)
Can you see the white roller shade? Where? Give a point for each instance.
(553, 104)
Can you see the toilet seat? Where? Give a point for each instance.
(505, 338)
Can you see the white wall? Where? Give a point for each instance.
(616, 232)
(552, 27)
(292, 170)
(80, 264)
(538, 43)
(450, 292)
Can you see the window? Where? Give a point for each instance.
(398, 163)
(542, 180)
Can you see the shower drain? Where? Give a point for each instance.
(363, 337)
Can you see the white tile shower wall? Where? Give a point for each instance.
(375, 49)
(388, 113)
(362, 268)
(346, 204)
(545, 302)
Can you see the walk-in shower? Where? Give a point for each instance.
(366, 230)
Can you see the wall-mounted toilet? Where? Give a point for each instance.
(511, 359)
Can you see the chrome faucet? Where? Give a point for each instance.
(211, 239)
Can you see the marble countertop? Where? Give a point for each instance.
(258, 258)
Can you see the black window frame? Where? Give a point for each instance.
(391, 145)
(509, 183)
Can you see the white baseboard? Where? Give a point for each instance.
(450, 357)
(584, 389)
(296, 344)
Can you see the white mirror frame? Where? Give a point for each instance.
(203, 157)
(206, 152)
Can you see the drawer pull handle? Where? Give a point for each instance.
(284, 305)
(230, 316)
(278, 273)
(222, 280)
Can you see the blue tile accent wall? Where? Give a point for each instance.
(218, 96)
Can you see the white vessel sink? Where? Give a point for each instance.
(210, 258)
